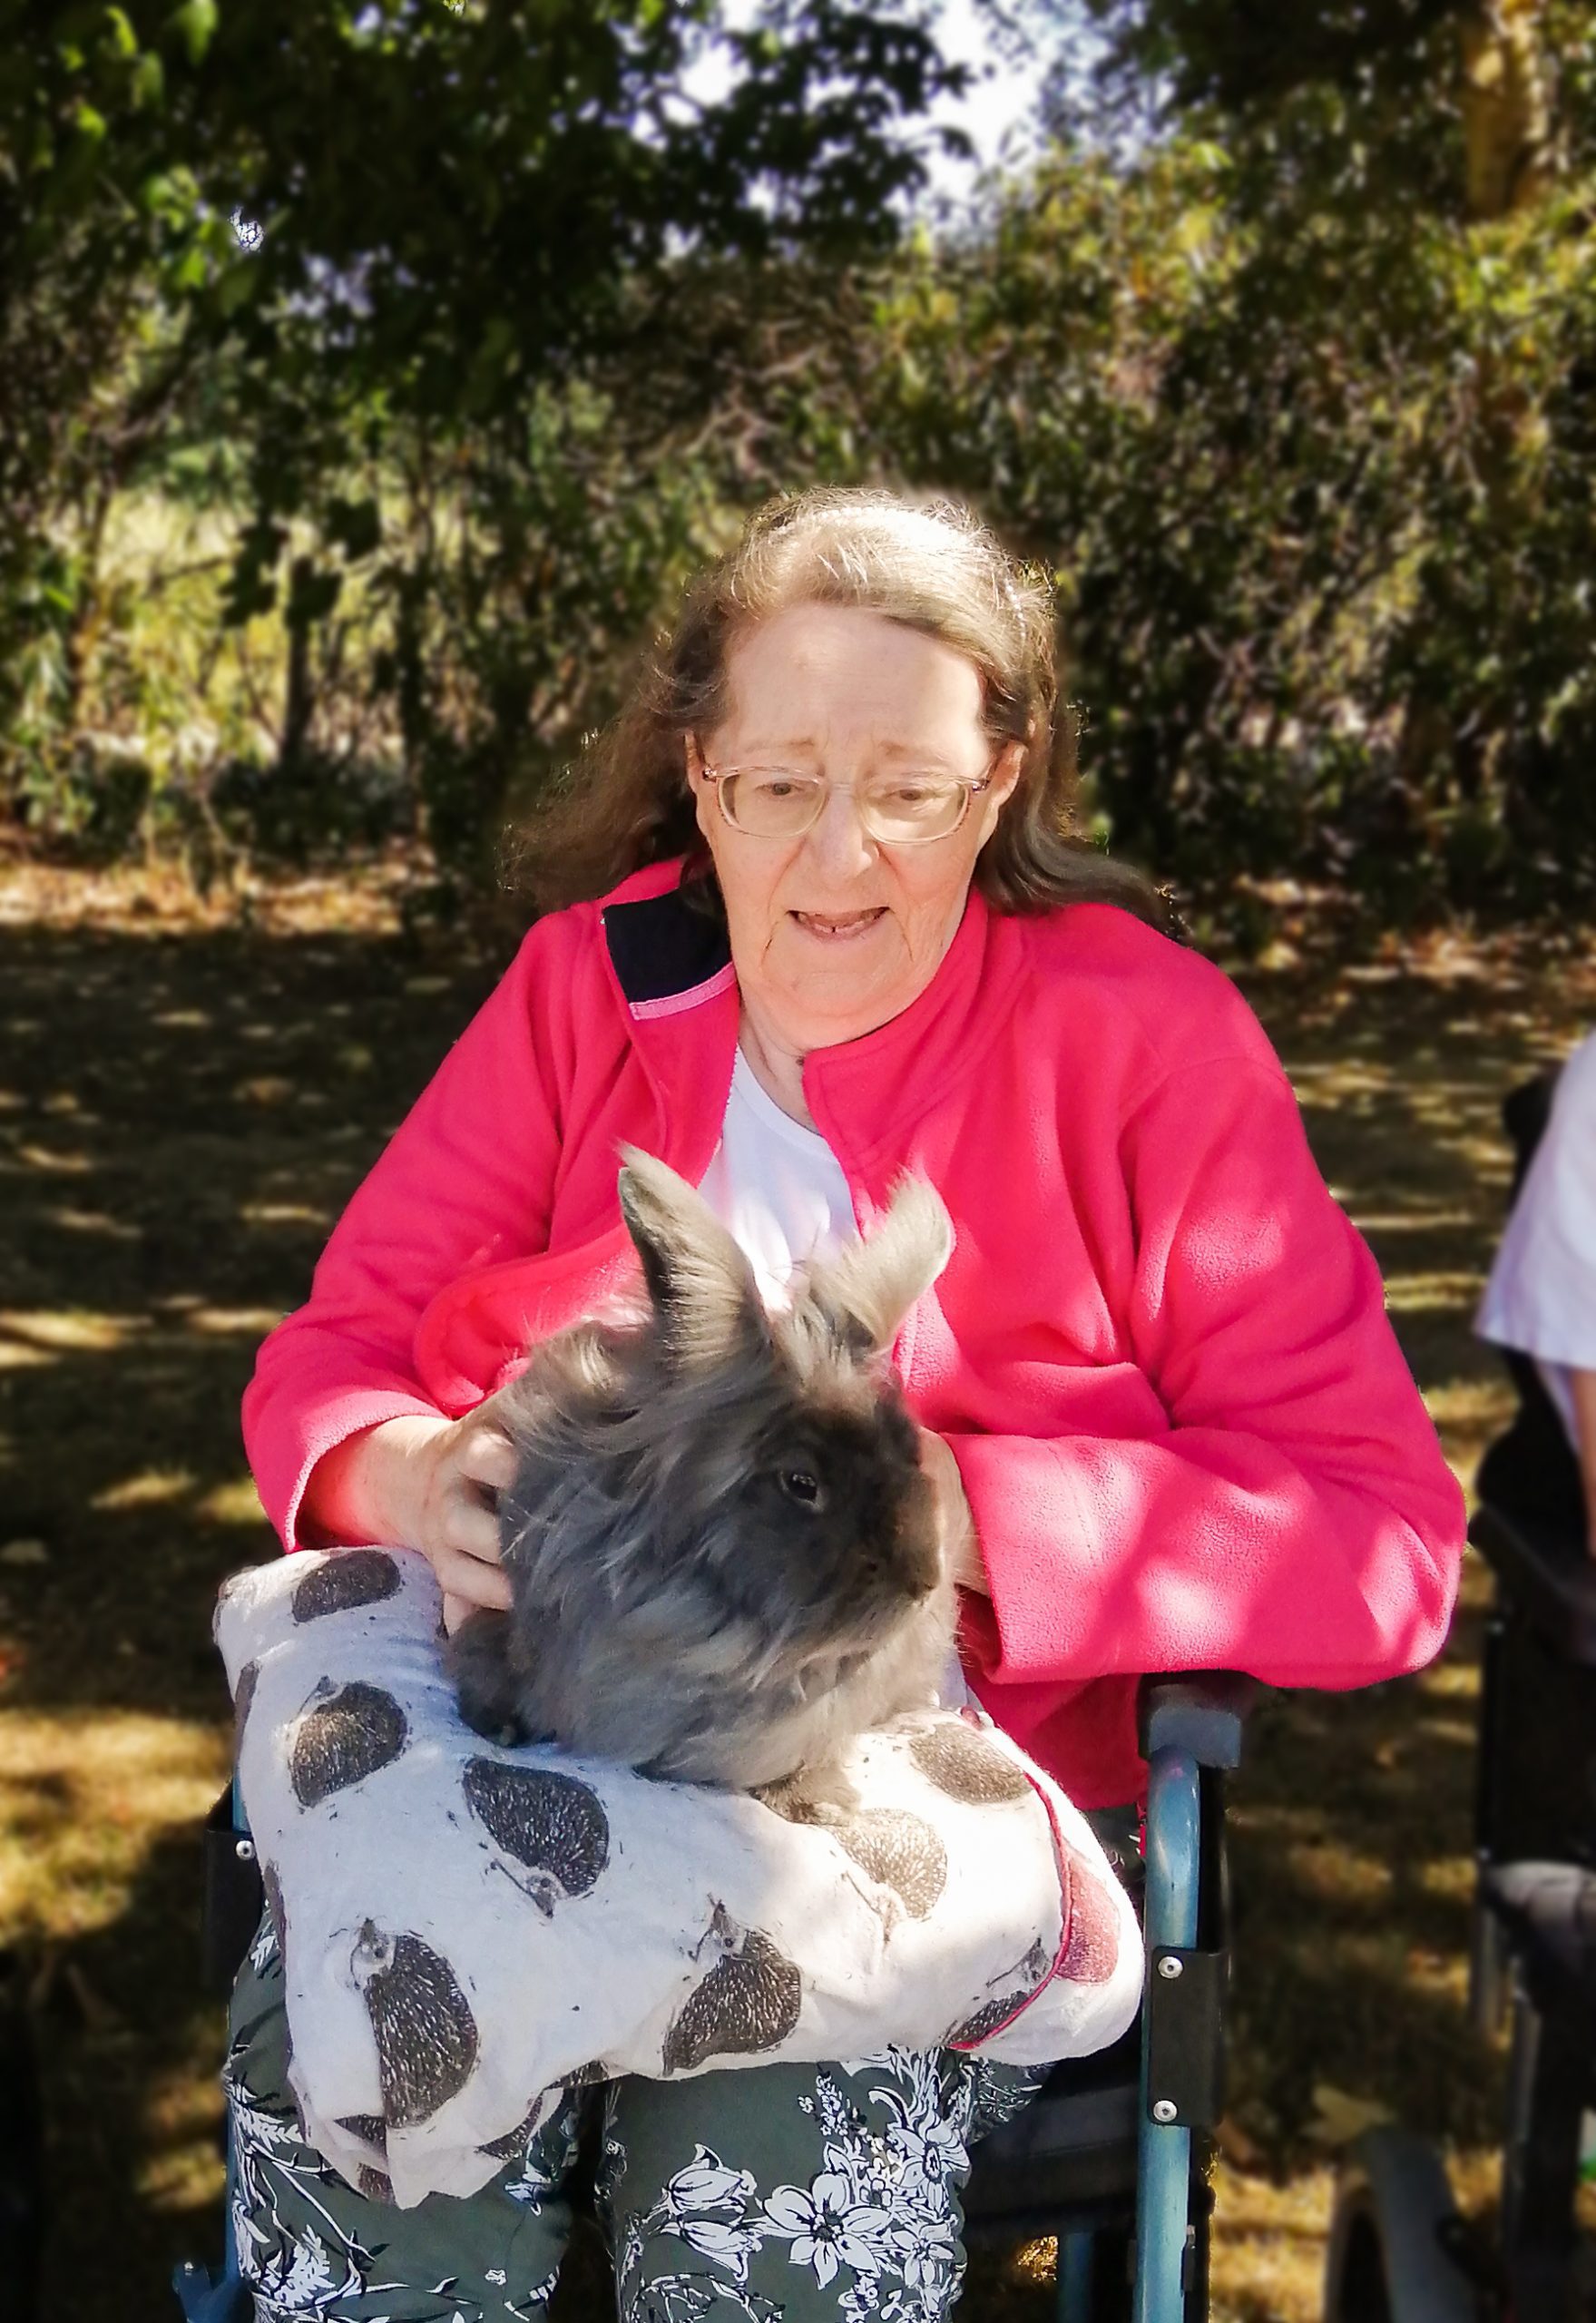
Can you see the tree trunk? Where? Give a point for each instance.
(1509, 141)
(79, 643)
(300, 699)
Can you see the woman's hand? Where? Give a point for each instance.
(960, 1543)
(422, 1484)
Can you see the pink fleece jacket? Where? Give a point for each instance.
(1159, 1352)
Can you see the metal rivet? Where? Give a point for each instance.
(245, 1851)
(1164, 2109)
(1169, 1967)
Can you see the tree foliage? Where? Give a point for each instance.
(467, 332)
(1320, 506)
(1453, 102)
(1307, 439)
(404, 248)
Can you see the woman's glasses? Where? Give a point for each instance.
(897, 810)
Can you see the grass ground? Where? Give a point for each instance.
(184, 1105)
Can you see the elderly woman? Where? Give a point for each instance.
(826, 918)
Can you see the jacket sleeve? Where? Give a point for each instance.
(1298, 1520)
(469, 1170)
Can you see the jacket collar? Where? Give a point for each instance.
(666, 956)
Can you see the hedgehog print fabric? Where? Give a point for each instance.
(468, 1928)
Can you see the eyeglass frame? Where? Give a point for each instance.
(972, 787)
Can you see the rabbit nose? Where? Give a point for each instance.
(898, 1566)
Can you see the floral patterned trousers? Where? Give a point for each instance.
(808, 2192)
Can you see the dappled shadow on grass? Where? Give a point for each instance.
(131, 2045)
(1349, 1843)
(182, 1117)
(180, 1120)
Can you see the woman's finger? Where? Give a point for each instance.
(461, 1574)
(470, 1528)
(488, 1458)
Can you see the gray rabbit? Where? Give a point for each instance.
(722, 1546)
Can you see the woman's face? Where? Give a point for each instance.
(832, 934)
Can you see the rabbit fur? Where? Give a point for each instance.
(722, 1548)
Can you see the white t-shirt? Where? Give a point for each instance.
(780, 1192)
(1541, 1297)
(776, 1186)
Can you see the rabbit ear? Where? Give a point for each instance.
(866, 1291)
(702, 1286)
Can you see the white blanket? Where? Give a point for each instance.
(466, 1928)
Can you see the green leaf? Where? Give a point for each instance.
(169, 195)
(194, 23)
(149, 81)
(237, 284)
(124, 41)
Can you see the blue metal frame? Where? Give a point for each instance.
(1075, 2297)
(1163, 2149)
(1163, 2162)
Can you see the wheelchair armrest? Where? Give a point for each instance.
(1548, 1571)
(1202, 1711)
(1190, 1731)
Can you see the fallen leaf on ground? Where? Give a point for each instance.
(1339, 2117)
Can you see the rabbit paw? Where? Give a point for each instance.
(485, 1686)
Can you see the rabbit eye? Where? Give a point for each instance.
(800, 1485)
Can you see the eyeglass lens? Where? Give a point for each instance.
(771, 803)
